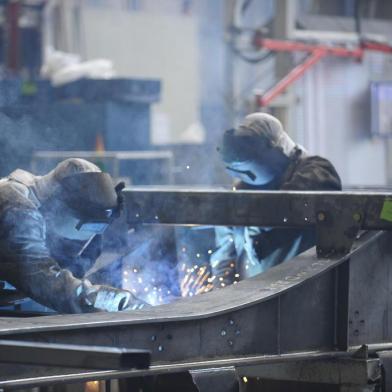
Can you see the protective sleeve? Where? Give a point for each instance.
(27, 265)
(224, 257)
(272, 247)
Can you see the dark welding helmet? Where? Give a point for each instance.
(92, 199)
(250, 156)
(240, 145)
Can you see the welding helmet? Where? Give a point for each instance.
(92, 199)
(258, 151)
(77, 195)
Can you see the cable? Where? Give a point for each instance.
(252, 57)
(249, 59)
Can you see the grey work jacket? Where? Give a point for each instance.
(26, 260)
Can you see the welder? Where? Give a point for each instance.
(51, 230)
(260, 155)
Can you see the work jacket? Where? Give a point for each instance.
(32, 259)
(243, 252)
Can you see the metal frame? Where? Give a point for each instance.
(224, 327)
(316, 308)
(72, 356)
(337, 216)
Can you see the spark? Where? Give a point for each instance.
(209, 251)
(188, 167)
(198, 255)
(135, 270)
(234, 188)
(195, 282)
(140, 280)
(237, 275)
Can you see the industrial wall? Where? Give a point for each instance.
(333, 117)
(158, 41)
(203, 83)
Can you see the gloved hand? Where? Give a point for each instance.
(224, 273)
(110, 299)
(252, 243)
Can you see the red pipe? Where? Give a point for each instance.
(379, 47)
(292, 46)
(291, 77)
(317, 52)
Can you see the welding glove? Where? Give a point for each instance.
(252, 239)
(110, 299)
(223, 259)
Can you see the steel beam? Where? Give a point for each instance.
(337, 216)
(72, 356)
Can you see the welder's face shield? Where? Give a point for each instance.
(251, 158)
(251, 172)
(92, 200)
